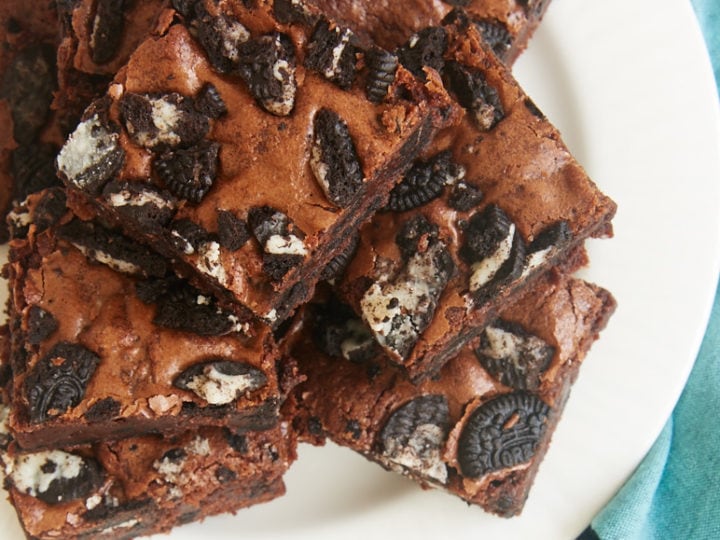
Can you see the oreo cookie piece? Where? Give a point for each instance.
(55, 476)
(112, 249)
(267, 65)
(494, 249)
(501, 433)
(414, 436)
(424, 182)
(92, 154)
(58, 380)
(513, 356)
(475, 94)
(426, 48)
(188, 236)
(107, 30)
(140, 202)
(333, 158)
(49, 209)
(337, 265)
(182, 307)
(221, 37)
(209, 102)
(495, 34)
(546, 245)
(219, 381)
(33, 169)
(159, 121)
(464, 196)
(41, 324)
(330, 53)
(189, 173)
(399, 306)
(28, 85)
(233, 232)
(382, 67)
(280, 240)
(338, 331)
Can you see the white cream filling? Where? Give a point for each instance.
(26, 471)
(484, 271)
(209, 262)
(127, 198)
(219, 388)
(290, 244)
(90, 144)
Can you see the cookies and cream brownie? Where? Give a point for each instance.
(30, 138)
(506, 25)
(144, 485)
(106, 344)
(490, 205)
(480, 428)
(258, 140)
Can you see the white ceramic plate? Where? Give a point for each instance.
(630, 87)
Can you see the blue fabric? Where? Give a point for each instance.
(675, 491)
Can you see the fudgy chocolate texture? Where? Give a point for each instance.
(30, 137)
(106, 345)
(237, 115)
(480, 428)
(145, 484)
(492, 203)
(506, 25)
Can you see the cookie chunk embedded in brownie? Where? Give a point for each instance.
(241, 116)
(494, 202)
(506, 25)
(107, 343)
(481, 427)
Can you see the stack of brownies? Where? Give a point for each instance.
(239, 224)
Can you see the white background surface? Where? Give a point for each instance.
(630, 87)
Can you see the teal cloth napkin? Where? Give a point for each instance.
(675, 491)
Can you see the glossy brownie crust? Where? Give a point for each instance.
(265, 160)
(102, 354)
(491, 204)
(478, 430)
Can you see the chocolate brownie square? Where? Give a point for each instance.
(260, 139)
(144, 485)
(478, 430)
(494, 202)
(106, 344)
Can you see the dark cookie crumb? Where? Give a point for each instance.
(209, 102)
(189, 173)
(337, 265)
(475, 94)
(188, 236)
(495, 34)
(424, 49)
(107, 30)
(424, 182)
(28, 85)
(513, 356)
(41, 325)
(331, 53)
(103, 410)
(465, 197)
(267, 65)
(334, 160)
(141, 203)
(224, 475)
(501, 433)
(382, 67)
(33, 169)
(233, 232)
(221, 37)
(58, 381)
(113, 249)
(237, 441)
(353, 428)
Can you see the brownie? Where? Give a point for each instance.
(495, 201)
(106, 344)
(478, 430)
(144, 485)
(265, 138)
(506, 25)
(30, 137)
(97, 38)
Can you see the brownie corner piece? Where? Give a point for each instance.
(250, 155)
(106, 342)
